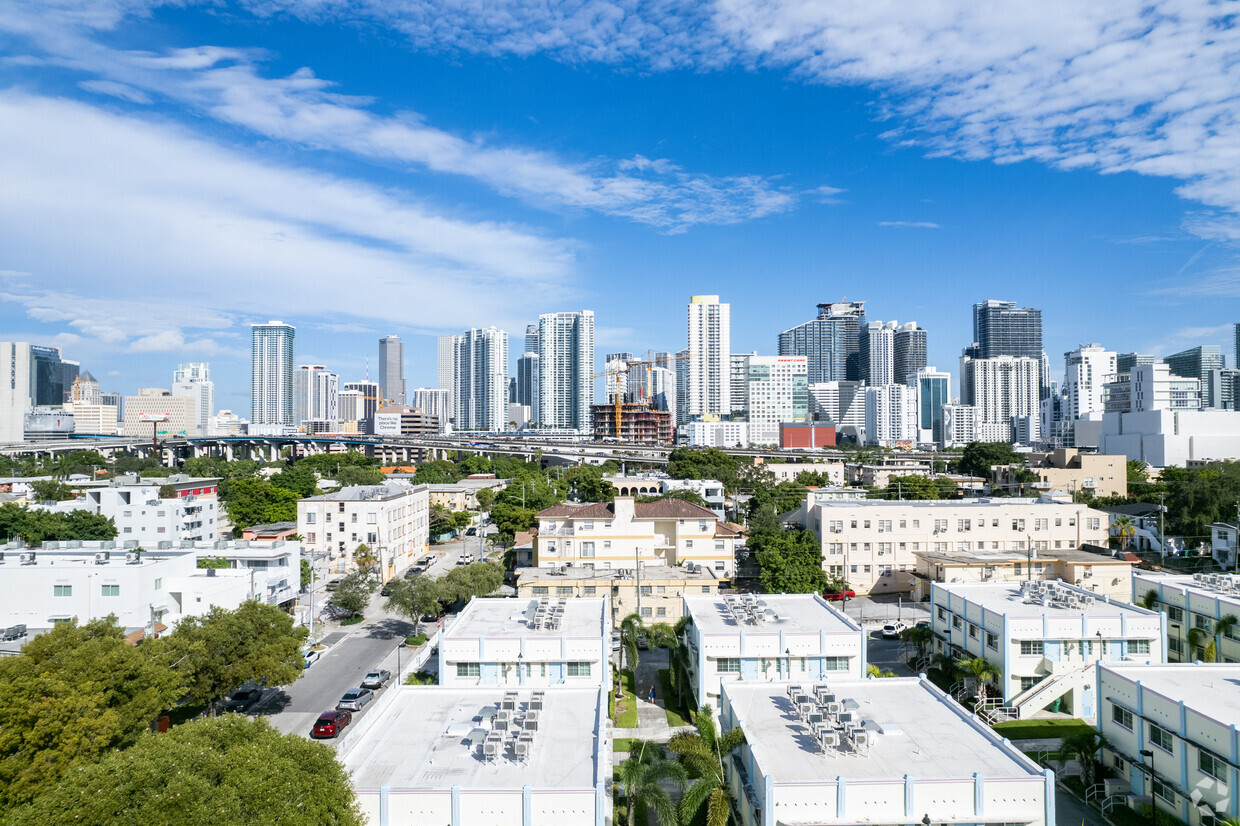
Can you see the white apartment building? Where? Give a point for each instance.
(789, 471)
(227, 423)
(716, 434)
(768, 638)
(1196, 601)
(1097, 572)
(877, 353)
(482, 756)
(959, 425)
(434, 402)
(891, 415)
(776, 391)
(157, 408)
(445, 370)
(1005, 388)
(656, 484)
(565, 370)
(627, 534)
(271, 374)
(193, 379)
(658, 596)
(1087, 369)
(393, 520)
(872, 543)
(1183, 717)
(142, 516)
(480, 380)
(316, 395)
(840, 402)
(709, 390)
(93, 419)
(882, 752)
(15, 396)
(44, 586)
(1044, 638)
(1164, 437)
(533, 643)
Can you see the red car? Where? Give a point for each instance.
(834, 596)
(330, 723)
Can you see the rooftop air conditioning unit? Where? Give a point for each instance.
(26, 558)
(132, 557)
(101, 557)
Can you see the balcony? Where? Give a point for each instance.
(564, 531)
(662, 540)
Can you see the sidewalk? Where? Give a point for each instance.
(651, 717)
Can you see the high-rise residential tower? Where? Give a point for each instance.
(566, 370)
(446, 368)
(1196, 363)
(271, 374)
(777, 392)
(392, 369)
(710, 350)
(682, 385)
(1087, 369)
(738, 370)
(934, 389)
(910, 351)
(1000, 328)
(194, 379)
(876, 349)
(829, 342)
(480, 385)
(367, 401)
(531, 338)
(316, 398)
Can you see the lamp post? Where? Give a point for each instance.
(788, 654)
(398, 648)
(520, 657)
(1148, 754)
(1101, 645)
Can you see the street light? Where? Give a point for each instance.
(1149, 754)
(788, 654)
(1101, 645)
(520, 657)
(398, 648)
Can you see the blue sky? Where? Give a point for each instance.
(171, 172)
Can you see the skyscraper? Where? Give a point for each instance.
(194, 379)
(738, 369)
(710, 349)
(910, 351)
(934, 389)
(1000, 328)
(368, 401)
(527, 383)
(1087, 369)
(446, 369)
(433, 402)
(1005, 388)
(392, 369)
(531, 338)
(617, 363)
(777, 392)
(480, 385)
(566, 369)
(271, 374)
(1196, 363)
(655, 385)
(316, 397)
(876, 348)
(681, 363)
(829, 342)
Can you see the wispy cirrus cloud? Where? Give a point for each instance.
(910, 224)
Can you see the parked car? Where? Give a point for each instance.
(310, 655)
(330, 723)
(892, 630)
(376, 678)
(471, 532)
(615, 641)
(386, 590)
(414, 570)
(464, 559)
(354, 699)
(836, 595)
(331, 584)
(242, 699)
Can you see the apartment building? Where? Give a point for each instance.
(710, 490)
(656, 597)
(768, 638)
(1044, 638)
(894, 751)
(1092, 569)
(1195, 603)
(872, 543)
(552, 641)
(1171, 738)
(627, 533)
(392, 520)
(1067, 469)
(141, 514)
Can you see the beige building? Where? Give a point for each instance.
(661, 588)
(155, 402)
(463, 495)
(93, 419)
(1098, 572)
(877, 476)
(626, 533)
(789, 471)
(393, 520)
(873, 544)
(1068, 469)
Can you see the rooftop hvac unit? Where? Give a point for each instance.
(26, 559)
(861, 739)
(133, 557)
(1, 557)
(845, 717)
(829, 739)
(522, 748)
(835, 709)
(101, 557)
(794, 690)
(51, 546)
(805, 709)
(73, 544)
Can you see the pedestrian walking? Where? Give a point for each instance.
(652, 692)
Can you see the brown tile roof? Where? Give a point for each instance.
(570, 510)
(671, 508)
(722, 531)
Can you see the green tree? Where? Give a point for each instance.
(357, 475)
(415, 596)
(352, 593)
(1137, 472)
(307, 574)
(225, 770)
(871, 670)
(223, 649)
(50, 490)
(643, 776)
(920, 636)
(1084, 748)
(477, 579)
(72, 695)
(485, 497)
(333, 464)
(221, 468)
(36, 526)
(299, 479)
(631, 627)
(1149, 599)
(690, 496)
(704, 463)
(979, 457)
(1224, 626)
(1124, 530)
(790, 563)
(215, 562)
(438, 472)
(979, 669)
(702, 753)
(366, 559)
(1197, 640)
(918, 488)
(258, 501)
(441, 520)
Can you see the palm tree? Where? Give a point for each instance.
(1223, 627)
(920, 636)
(1149, 599)
(643, 775)
(980, 669)
(946, 666)
(1124, 530)
(702, 752)
(1197, 643)
(1083, 748)
(630, 630)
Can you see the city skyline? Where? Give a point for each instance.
(778, 177)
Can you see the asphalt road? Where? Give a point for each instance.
(889, 655)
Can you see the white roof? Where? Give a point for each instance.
(1223, 587)
(512, 617)
(920, 732)
(1007, 598)
(421, 742)
(1211, 689)
(792, 614)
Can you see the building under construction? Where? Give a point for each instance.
(639, 424)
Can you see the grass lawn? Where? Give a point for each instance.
(679, 716)
(353, 620)
(415, 640)
(625, 715)
(1037, 729)
(622, 743)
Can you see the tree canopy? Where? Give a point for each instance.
(979, 457)
(358, 475)
(789, 562)
(352, 593)
(704, 463)
(415, 596)
(225, 770)
(257, 501)
(36, 526)
(913, 488)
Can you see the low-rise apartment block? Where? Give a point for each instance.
(141, 514)
(392, 520)
(626, 533)
(710, 490)
(463, 495)
(1092, 569)
(541, 642)
(656, 597)
(1171, 738)
(872, 544)
(1044, 638)
(768, 638)
(1068, 469)
(893, 751)
(1192, 604)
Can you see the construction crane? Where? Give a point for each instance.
(619, 373)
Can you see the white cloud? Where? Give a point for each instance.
(119, 90)
(910, 224)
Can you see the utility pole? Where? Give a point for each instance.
(1029, 554)
(637, 569)
(1162, 535)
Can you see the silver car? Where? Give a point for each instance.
(376, 678)
(354, 699)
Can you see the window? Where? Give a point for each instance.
(956, 623)
(579, 669)
(1160, 737)
(992, 640)
(1163, 791)
(354, 519)
(159, 583)
(1121, 717)
(705, 589)
(660, 612)
(62, 590)
(563, 590)
(1039, 524)
(660, 589)
(606, 544)
(647, 589)
(311, 517)
(646, 612)
(866, 523)
(541, 590)
(1212, 765)
(884, 526)
(688, 543)
(1175, 614)
(110, 590)
(1175, 646)
(940, 526)
(835, 663)
(469, 669)
(972, 630)
(1027, 683)
(588, 590)
(1093, 523)
(1139, 647)
(884, 548)
(587, 550)
(903, 523)
(1031, 647)
(964, 524)
(1203, 622)
(587, 525)
(942, 613)
(728, 665)
(702, 527)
